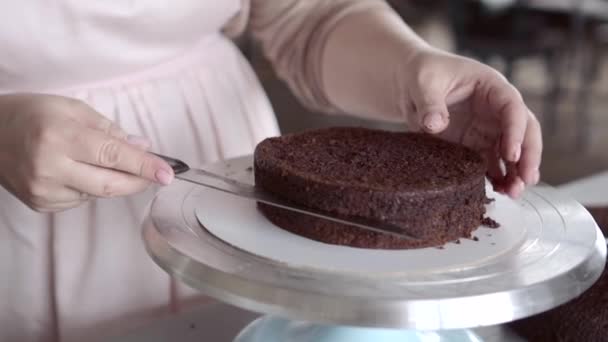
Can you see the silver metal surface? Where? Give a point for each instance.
(555, 267)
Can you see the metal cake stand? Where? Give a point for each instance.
(560, 253)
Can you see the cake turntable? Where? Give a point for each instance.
(547, 251)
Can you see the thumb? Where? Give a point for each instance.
(432, 114)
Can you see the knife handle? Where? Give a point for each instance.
(177, 165)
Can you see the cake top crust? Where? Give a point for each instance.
(371, 159)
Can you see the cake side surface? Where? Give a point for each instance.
(432, 189)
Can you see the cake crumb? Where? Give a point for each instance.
(192, 326)
(249, 169)
(488, 200)
(490, 223)
(475, 238)
(493, 244)
(457, 242)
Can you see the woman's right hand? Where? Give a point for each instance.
(56, 152)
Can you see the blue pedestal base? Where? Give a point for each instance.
(275, 329)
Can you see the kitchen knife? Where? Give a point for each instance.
(220, 183)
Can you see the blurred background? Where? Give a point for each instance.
(552, 50)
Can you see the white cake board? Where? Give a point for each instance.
(247, 229)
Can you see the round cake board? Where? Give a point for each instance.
(247, 229)
(547, 251)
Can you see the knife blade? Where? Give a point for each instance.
(231, 186)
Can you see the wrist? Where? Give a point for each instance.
(365, 58)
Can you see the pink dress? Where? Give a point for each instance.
(161, 69)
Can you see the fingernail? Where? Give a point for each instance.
(164, 177)
(138, 141)
(432, 121)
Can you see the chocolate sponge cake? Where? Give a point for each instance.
(432, 189)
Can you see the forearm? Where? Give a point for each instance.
(364, 62)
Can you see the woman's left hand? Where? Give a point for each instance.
(464, 101)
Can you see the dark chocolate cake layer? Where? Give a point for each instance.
(583, 319)
(432, 189)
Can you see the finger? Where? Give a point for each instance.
(514, 185)
(531, 156)
(60, 206)
(495, 171)
(506, 101)
(62, 194)
(111, 128)
(87, 116)
(101, 182)
(496, 168)
(49, 198)
(139, 142)
(516, 188)
(431, 112)
(96, 148)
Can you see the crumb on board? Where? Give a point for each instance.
(488, 200)
(457, 242)
(490, 223)
(249, 169)
(192, 326)
(475, 238)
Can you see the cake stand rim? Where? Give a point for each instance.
(388, 314)
(398, 312)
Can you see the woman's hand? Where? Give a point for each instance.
(465, 101)
(56, 152)
(375, 66)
